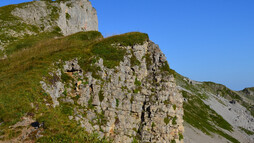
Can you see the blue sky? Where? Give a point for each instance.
(205, 40)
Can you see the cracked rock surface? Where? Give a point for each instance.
(129, 102)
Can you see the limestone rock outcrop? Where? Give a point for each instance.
(32, 18)
(130, 102)
(71, 16)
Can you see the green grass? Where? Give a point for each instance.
(67, 15)
(148, 60)
(247, 131)
(174, 107)
(30, 41)
(137, 82)
(113, 54)
(117, 102)
(66, 78)
(21, 73)
(221, 90)
(10, 22)
(196, 110)
(165, 68)
(134, 60)
(174, 121)
(67, 109)
(180, 136)
(101, 96)
(58, 128)
(202, 117)
(167, 119)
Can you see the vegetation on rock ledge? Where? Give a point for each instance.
(21, 73)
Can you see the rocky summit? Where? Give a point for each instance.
(62, 81)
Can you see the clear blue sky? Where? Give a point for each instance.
(205, 40)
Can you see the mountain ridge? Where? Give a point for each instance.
(220, 112)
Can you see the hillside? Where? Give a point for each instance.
(212, 111)
(84, 87)
(23, 22)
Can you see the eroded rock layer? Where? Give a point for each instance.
(137, 100)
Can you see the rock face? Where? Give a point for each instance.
(26, 19)
(71, 16)
(130, 102)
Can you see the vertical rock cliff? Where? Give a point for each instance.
(137, 100)
(70, 16)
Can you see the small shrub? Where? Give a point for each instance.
(166, 120)
(101, 96)
(135, 140)
(137, 82)
(67, 15)
(165, 67)
(174, 106)
(180, 136)
(167, 102)
(132, 99)
(174, 120)
(65, 93)
(153, 124)
(101, 119)
(117, 102)
(137, 90)
(69, 5)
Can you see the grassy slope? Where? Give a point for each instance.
(21, 73)
(17, 25)
(200, 115)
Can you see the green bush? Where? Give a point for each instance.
(101, 96)
(180, 136)
(166, 120)
(174, 120)
(117, 102)
(67, 15)
(137, 82)
(174, 107)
